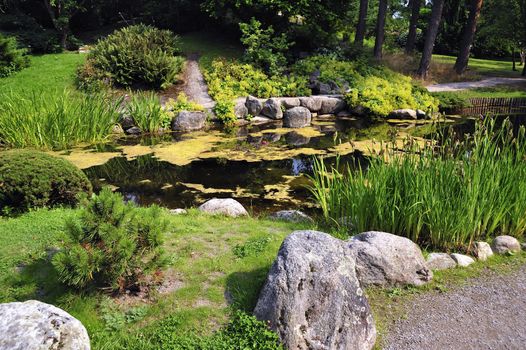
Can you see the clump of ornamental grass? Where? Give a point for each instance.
(443, 194)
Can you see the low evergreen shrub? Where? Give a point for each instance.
(113, 245)
(31, 179)
(12, 59)
(138, 56)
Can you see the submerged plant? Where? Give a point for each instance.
(445, 195)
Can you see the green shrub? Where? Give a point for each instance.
(445, 197)
(30, 34)
(56, 121)
(138, 55)
(225, 109)
(148, 113)
(264, 48)
(114, 244)
(182, 103)
(12, 59)
(31, 179)
(450, 101)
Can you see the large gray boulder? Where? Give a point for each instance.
(386, 259)
(440, 261)
(297, 117)
(223, 206)
(290, 102)
(403, 114)
(254, 106)
(331, 105)
(272, 109)
(482, 251)
(240, 110)
(312, 297)
(462, 260)
(33, 325)
(311, 103)
(189, 121)
(505, 244)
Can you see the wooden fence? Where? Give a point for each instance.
(495, 106)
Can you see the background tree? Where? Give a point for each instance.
(413, 23)
(467, 37)
(431, 34)
(361, 24)
(60, 13)
(380, 29)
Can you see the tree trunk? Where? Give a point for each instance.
(380, 29)
(523, 57)
(467, 37)
(360, 26)
(411, 37)
(513, 60)
(431, 35)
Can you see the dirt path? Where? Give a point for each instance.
(490, 82)
(195, 86)
(490, 313)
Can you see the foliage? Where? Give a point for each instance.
(31, 179)
(240, 80)
(446, 197)
(225, 109)
(182, 103)
(12, 59)
(451, 100)
(138, 55)
(251, 247)
(30, 34)
(148, 113)
(264, 48)
(113, 244)
(55, 121)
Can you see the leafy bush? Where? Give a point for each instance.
(264, 49)
(182, 103)
(148, 113)
(225, 109)
(12, 59)
(450, 101)
(114, 244)
(30, 34)
(239, 80)
(138, 55)
(446, 197)
(30, 179)
(251, 247)
(55, 121)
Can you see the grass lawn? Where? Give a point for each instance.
(510, 91)
(216, 264)
(210, 46)
(484, 67)
(52, 72)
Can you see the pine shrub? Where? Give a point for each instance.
(140, 55)
(12, 59)
(31, 179)
(114, 245)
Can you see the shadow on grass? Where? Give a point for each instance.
(242, 288)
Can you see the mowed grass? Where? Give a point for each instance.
(484, 67)
(508, 91)
(207, 277)
(50, 73)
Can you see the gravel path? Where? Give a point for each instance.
(490, 82)
(490, 313)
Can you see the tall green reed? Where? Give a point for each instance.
(442, 194)
(147, 112)
(55, 120)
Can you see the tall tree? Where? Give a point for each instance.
(467, 37)
(415, 14)
(431, 35)
(360, 26)
(380, 29)
(60, 13)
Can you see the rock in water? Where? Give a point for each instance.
(440, 261)
(505, 244)
(386, 259)
(297, 117)
(272, 109)
(254, 106)
(33, 325)
(462, 260)
(291, 215)
(332, 105)
(311, 103)
(403, 114)
(189, 121)
(483, 251)
(312, 297)
(224, 206)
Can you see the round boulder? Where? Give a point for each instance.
(223, 206)
(33, 325)
(272, 109)
(403, 114)
(240, 110)
(311, 103)
(297, 117)
(386, 259)
(331, 105)
(189, 121)
(290, 102)
(505, 244)
(462, 260)
(312, 297)
(482, 251)
(291, 215)
(254, 106)
(440, 261)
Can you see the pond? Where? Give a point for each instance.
(265, 167)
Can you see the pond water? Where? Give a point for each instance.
(264, 167)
